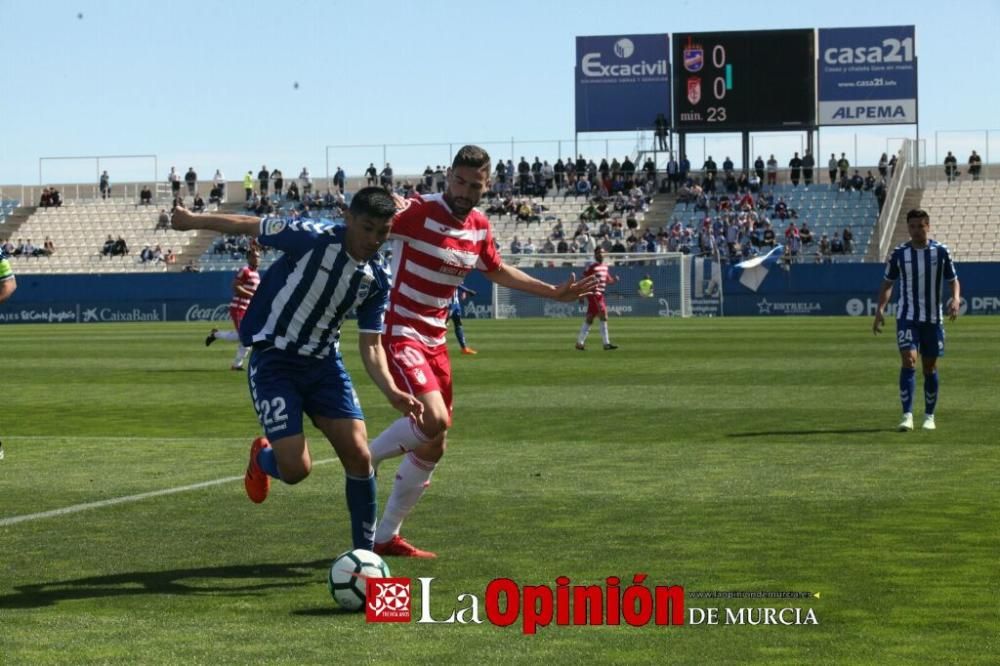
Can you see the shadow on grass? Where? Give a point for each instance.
(236, 580)
(831, 431)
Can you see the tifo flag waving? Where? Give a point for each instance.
(753, 271)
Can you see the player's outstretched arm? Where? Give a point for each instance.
(237, 225)
(514, 278)
(884, 294)
(377, 367)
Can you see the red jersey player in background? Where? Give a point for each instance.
(436, 241)
(596, 307)
(244, 287)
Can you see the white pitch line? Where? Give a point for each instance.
(76, 508)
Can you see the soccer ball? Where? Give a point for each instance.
(348, 577)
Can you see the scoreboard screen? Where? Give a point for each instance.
(756, 80)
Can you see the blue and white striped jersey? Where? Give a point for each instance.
(305, 295)
(920, 274)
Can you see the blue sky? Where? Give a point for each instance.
(211, 84)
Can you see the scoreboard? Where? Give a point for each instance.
(756, 80)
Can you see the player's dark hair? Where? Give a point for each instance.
(471, 156)
(917, 214)
(373, 202)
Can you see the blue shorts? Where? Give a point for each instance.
(927, 339)
(284, 385)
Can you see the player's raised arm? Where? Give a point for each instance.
(237, 225)
(514, 278)
(377, 367)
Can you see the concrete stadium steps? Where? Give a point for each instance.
(79, 230)
(964, 215)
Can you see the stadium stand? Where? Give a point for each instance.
(79, 230)
(965, 215)
(826, 210)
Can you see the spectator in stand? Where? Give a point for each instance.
(857, 182)
(339, 181)
(548, 175)
(248, 185)
(385, 177)
(950, 167)
(305, 180)
(145, 196)
(29, 249)
(892, 166)
(758, 167)
(293, 192)
(278, 179)
(869, 181)
(220, 184)
(768, 237)
(727, 167)
(54, 199)
(806, 234)
(191, 267)
(660, 131)
(109, 246)
(199, 204)
(515, 246)
(883, 166)
(8, 248)
(772, 171)
(263, 176)
(120, 248)
(843, 166)
(105, 185)
(191, 178)
(824, 249)
(795, 167)
(174, 179)
(880, 194)
(528, 248)
(975, 165)
(836, 245)
(501, 172)
(170, 258)
(559, 171)
(790, 231)
(371, 174)
(146, 255)
(848, 240)
(808, 165)
(157, 254)
(162, 222)
(832, 166)
(673, 174)
(441, 178)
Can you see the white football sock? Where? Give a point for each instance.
(412, 479)
(584, 330)
(241, 353)
(401, 436)
(232, 336)
(604, 333)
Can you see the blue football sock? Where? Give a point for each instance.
(930, 393)
(363, 507)
(907, 387)
(460, 334)
(268, 463)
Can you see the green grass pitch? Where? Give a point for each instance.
(717, 454)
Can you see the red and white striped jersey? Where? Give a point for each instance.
(432, 252)
(247, 278)
(601, 271)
